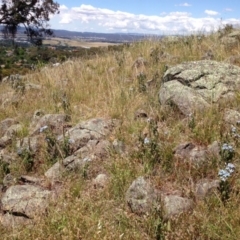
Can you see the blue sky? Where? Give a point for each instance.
(146, 16)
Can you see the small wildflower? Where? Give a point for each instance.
(227, 147)
(230, 168)
(146, 140)
(224, 174)
(42, 129)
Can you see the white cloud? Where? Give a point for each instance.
(63, 7)
(106, 20)
(183, 5)
(228, 9)
(211, 12)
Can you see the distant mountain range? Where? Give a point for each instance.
(97, 37)
(103, 37)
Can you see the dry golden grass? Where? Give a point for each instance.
(75, 43)
(109, 86)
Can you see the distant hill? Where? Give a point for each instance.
(97, 37)
(103, 37)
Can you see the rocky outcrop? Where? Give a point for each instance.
(25, 200)
(142, 198)
(86, 142)
(196, 85)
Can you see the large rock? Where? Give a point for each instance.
(142, 197)
(198, 84)
(87, 132)
(25, 200)
(86, 142)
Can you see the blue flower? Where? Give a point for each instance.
(230, 168)
(224, 174)
(146, 140)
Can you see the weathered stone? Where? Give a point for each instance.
(119, 146)
(52, 122)
(82, 133)
(9, 134)
(5, 124)
(29, 86)
(101, 149)
(68, 164)
(174, 205)
(100, 181)
(9, 180)
(25, 200)
(31, 180)
(12, 221)
(32, 145)
(196, 85)
(206, 187)
(141, 196)
(231, 116)
(55, 172)
(190, 152)
(213, 150)
(13, 130)
(6, 156)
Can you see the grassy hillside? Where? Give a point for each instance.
(112, 85)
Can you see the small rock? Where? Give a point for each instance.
(141, 196)
(191, 152)
(174, 205)
(100, 181)
(206, 187)
(119, 146)
(5, 124)
(231, 116)
(12, 221)
(9, 180)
